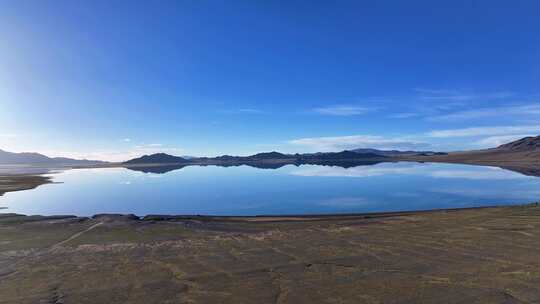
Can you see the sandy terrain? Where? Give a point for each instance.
(10, 183)
(485, 255)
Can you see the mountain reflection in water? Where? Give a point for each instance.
(273, 189)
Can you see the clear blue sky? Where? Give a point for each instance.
(115, 79)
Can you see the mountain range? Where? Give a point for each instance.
(26, 158)
(158, 158)
(392, 153)
(530, 144)
(522, 155)
(266, 157)
(525, 150)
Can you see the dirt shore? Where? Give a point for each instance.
(11, 183)
(484, 255)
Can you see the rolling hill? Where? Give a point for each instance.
(266, 159)
(158, 158)
(522, 151)
(26, 158)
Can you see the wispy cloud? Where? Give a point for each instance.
(511, 111)
(343, 110)
(485, 131)
(423, 110)
(126, 139)
(338, 143)
(8, 135)
(495, 141)
(404, 115)
(481, 137)
(119, 155)
(248, 110)
(435, 91)
(243, 111)
(460, 96)
(456, 105)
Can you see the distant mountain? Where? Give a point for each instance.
(343, 155)
(10, 158)
(266, 159)
(227, 158)
(270, 155)
(522, 145)
(158, 158)
(392, 153)
(159, 169)
(515, 155)
(256, 157)
(22, 158)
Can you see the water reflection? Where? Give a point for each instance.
(289, 189)
(366, 168)
(438, 171)
(162, 169)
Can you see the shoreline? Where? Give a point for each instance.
(270, 218)
(22, 182)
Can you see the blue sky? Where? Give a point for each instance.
(116, 79)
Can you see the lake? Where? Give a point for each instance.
(244, 190)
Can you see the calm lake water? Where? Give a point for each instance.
(244, 190)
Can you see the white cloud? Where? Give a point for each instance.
(126, 139)
(495, 141)
(338, 143)
(485, 131)
(435, 91)
(454, 95)
(404, 115)
(512, 111)
(8, 135)
(247, 110)
(148, 146)
(342, 110)
(243, 111)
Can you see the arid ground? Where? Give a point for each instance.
(19, 182)
(485, 255)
